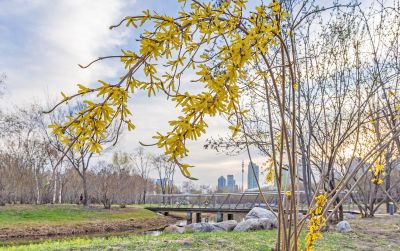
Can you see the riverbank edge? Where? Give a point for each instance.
(10, 236)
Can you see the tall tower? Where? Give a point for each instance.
(252, 176)
(230, 182)
(242, 175)
(221, 183)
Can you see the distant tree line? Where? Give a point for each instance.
(35, 168)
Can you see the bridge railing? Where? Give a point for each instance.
(245, 200)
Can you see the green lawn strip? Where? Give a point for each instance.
(259, 240)
(352, 241)
(62, 214)
(21, 215)
(197, 241)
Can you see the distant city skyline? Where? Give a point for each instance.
(221, 183)
(252, 176)
(229, 183)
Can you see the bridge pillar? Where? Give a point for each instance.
(189, 218)
(198, 217)
(230, 216)
(220, 216)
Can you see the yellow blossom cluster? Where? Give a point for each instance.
(317, 221)
(269, 169)
(377, 173)
(288, 194)
(89, 126)
(169, 49)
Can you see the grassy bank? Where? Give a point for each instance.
(20, 223)
(260, 240)
(65, 221)
(15, 215)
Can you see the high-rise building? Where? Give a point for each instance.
(231, 183)
(221, 183)
(242, 176)
(161, 182)
(251, 179)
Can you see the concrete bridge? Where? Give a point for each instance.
(220, 203)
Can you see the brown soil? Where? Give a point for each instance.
(19, 233)
(383, 228)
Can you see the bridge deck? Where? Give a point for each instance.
(225, 202)
(221, 210)
(203, 210)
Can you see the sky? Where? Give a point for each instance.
(43, 41)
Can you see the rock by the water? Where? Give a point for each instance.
(225, 225)
(262, 213)
(200, 227)
(255, 224)
(343, 227)
(174, 229)
(258, 213)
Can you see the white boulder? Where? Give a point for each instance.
(225, 225)
(343, 227)
(255, 224)
(174, 229)
(262, 213)
(200, 227)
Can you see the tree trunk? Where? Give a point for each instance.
(306, 181)
(60, 189)
(305, 168)
(144, 196)
(388, 168)
(373, 202)
(85, 192)
(38, 200)
(54, 187)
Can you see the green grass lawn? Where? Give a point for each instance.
(381, 233)
(259, 240)
(62, 214)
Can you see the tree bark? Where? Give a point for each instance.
(38, 200)
(54, 187)
(60, 189)
(85, 192)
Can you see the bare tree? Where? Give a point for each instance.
(24, 147)
(166, 172)
(106, 184)
(142, 165)
(127, 182)
(78, 158)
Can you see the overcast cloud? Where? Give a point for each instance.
(43, 41)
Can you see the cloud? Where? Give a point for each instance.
(43, 41)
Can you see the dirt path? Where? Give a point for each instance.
(378, 233)
(18, 233)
